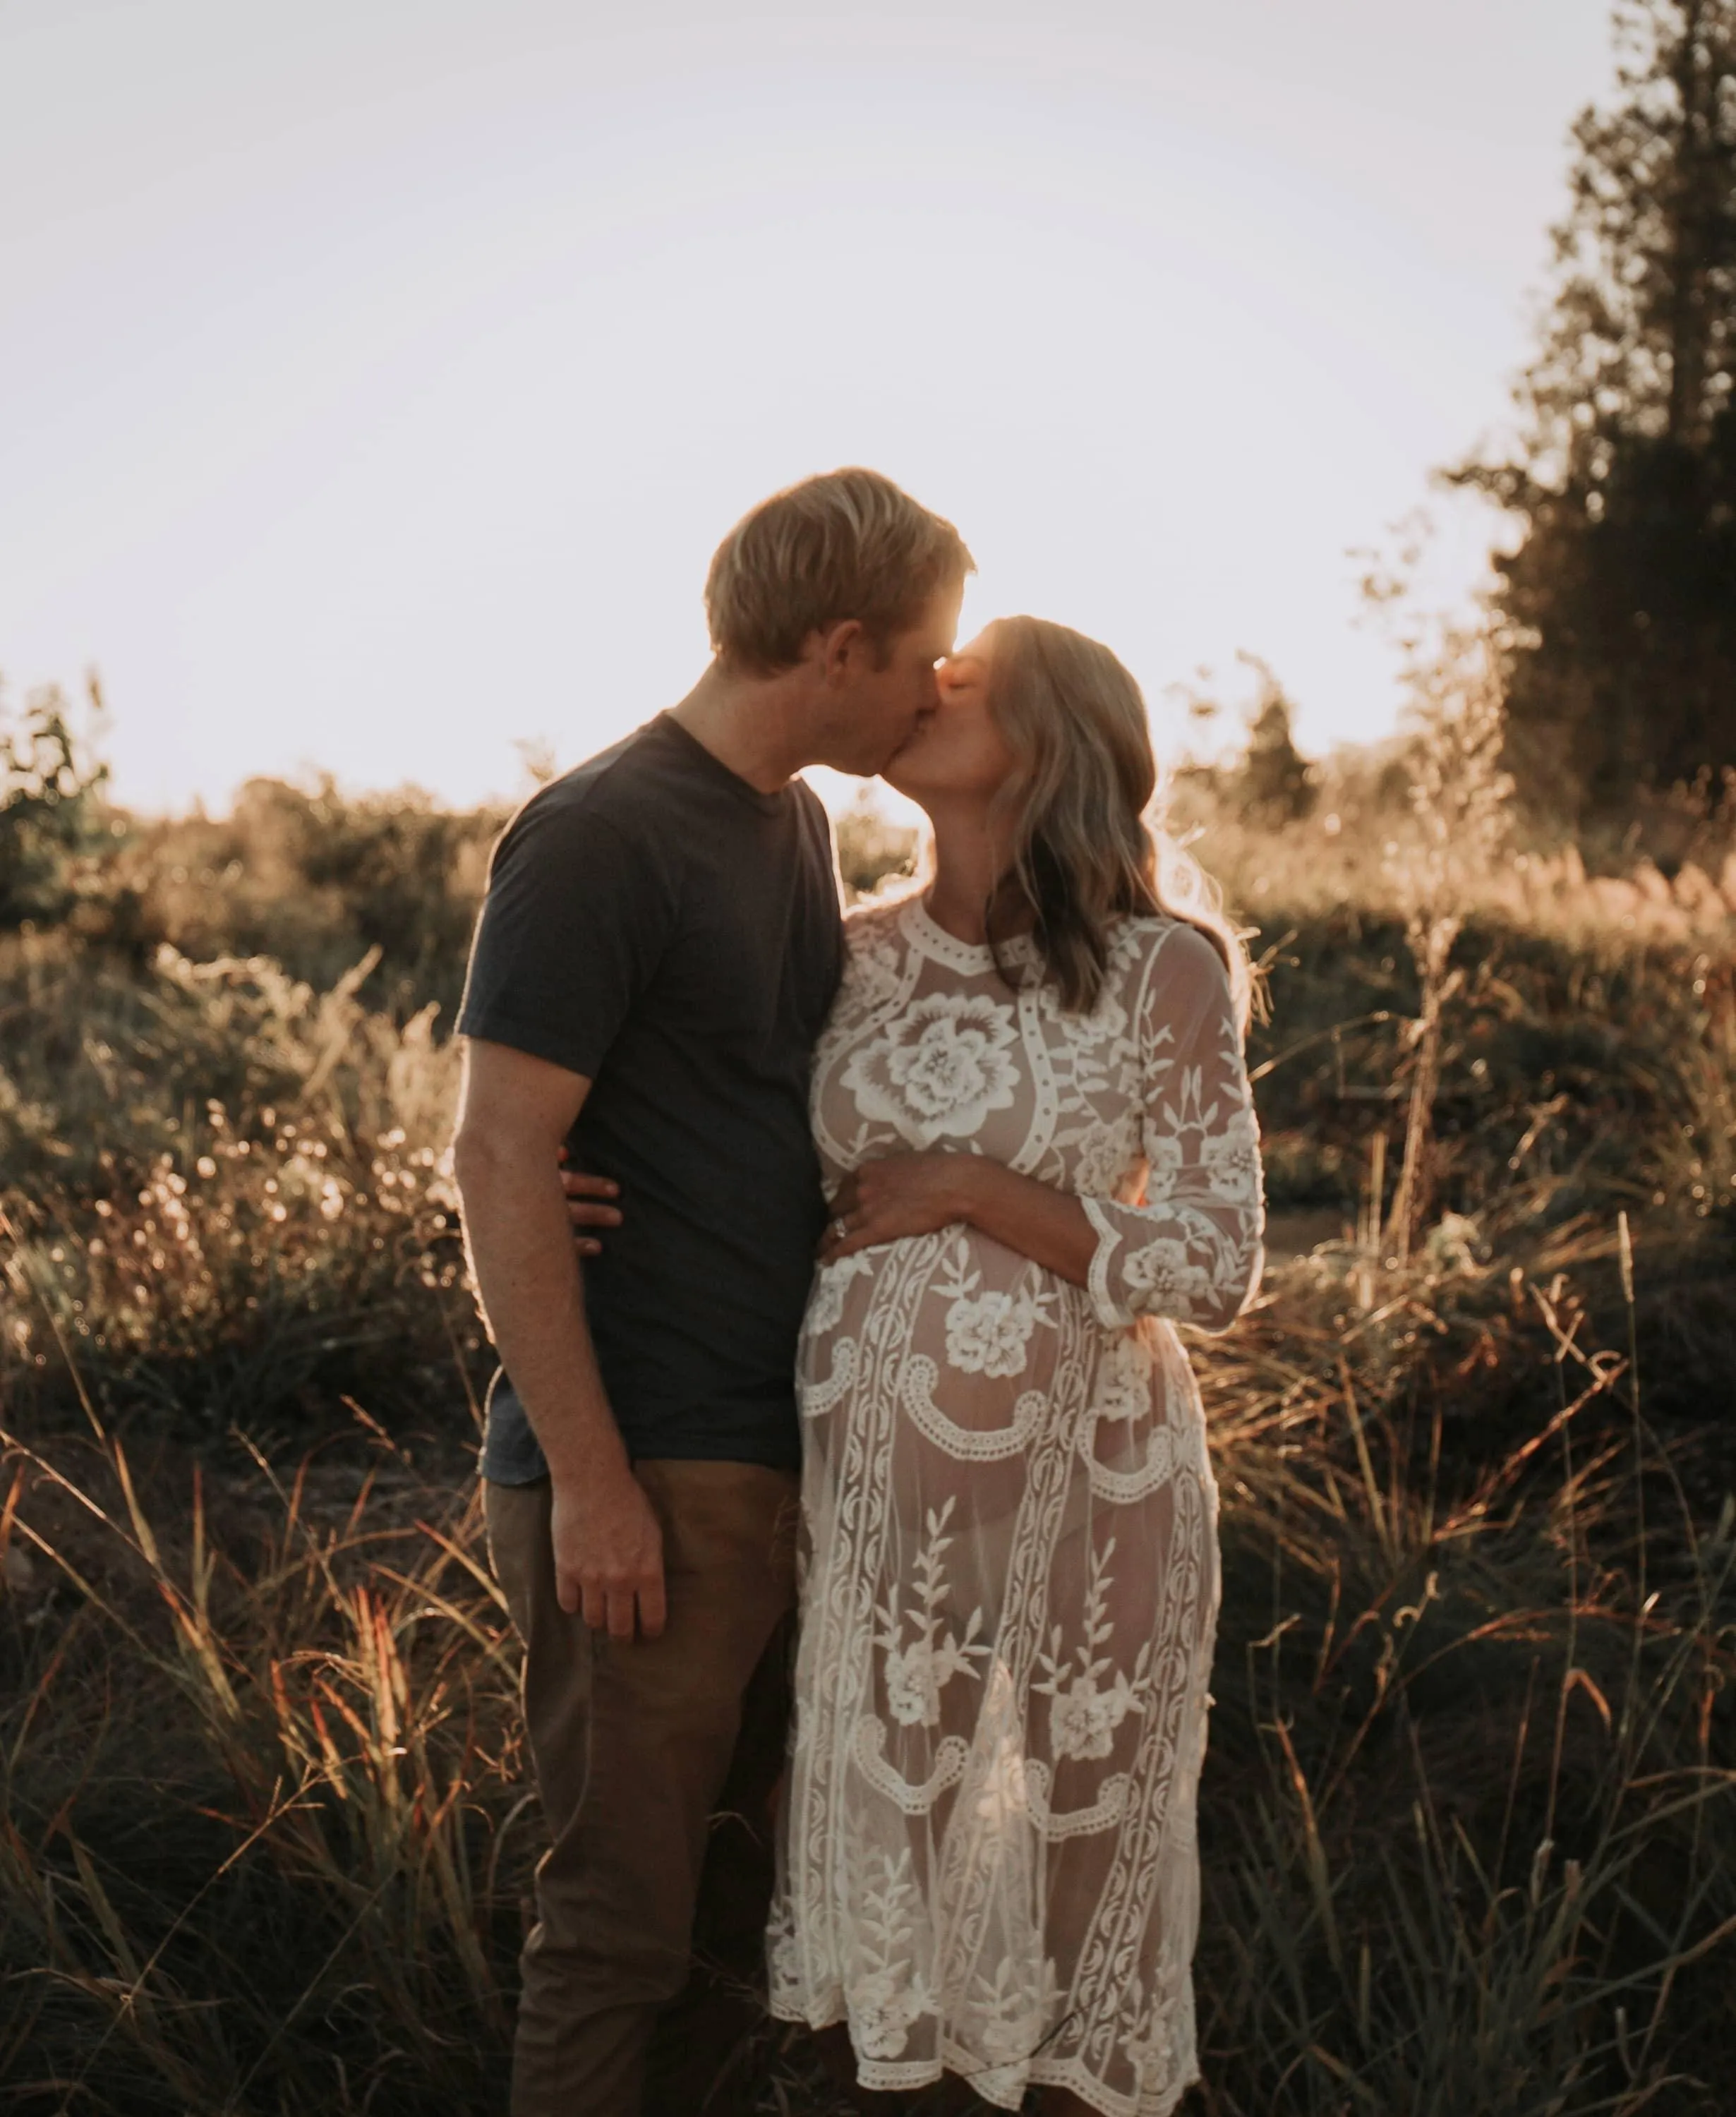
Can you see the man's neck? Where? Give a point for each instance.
(748, 725)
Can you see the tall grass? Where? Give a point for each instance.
(259, 1795)
(1467, 1822)
(1489, 1866)
(1468, 1838)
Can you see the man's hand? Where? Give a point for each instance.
(590, 1204)
(515, 1112)
(609, 1555)
(905, 1194)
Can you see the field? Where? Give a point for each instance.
(1469, 1834)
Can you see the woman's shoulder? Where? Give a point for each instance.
(1150, 933)
(1137, 937)
(1157, 946)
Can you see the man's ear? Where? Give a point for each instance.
(842, 647)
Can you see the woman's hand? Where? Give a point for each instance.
(588, 1205)
(914, 1194)
(905, 1194)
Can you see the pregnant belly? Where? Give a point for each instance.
(974, 1345)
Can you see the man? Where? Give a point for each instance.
(654, 962)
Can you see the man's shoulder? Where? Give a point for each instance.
(622, 795)
(615, 781)
(815, 820)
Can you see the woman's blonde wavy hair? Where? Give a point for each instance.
(1088, 846)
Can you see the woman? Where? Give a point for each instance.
(1032, 1104)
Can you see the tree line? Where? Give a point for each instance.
(1615, 606)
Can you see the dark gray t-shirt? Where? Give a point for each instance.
(657, 925)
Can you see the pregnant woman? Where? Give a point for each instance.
(1034, 1116)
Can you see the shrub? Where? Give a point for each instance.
(228, 1199)
(50, 791)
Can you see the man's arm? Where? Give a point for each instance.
(515, 1113)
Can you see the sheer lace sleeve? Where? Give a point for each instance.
(1191, 1251)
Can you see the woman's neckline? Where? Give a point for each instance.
(925, 932)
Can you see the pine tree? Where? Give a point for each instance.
(1274, 785)
(1618, 606)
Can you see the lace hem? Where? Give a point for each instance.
(1002, 2087)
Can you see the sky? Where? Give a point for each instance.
(377, 376)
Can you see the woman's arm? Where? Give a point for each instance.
(913, 1194)
(1190, 1250)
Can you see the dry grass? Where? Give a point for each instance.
(1469, 1843)
(1473, 1828)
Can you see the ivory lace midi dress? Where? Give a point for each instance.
(988, 1861)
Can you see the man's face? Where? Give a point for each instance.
(872, 711)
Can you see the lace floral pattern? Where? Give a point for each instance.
(1010, 1577)
(936, 1072)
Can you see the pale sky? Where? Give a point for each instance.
(377, 378)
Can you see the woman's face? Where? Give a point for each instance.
(957, 752)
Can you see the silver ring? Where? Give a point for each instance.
(840, 1227)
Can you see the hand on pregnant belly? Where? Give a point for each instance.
(904, 1194)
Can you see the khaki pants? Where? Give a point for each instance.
(656, 1762)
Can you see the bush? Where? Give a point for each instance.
(228, 1200)
(50, 814)
(315, 881)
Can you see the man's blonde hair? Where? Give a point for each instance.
(850, 544)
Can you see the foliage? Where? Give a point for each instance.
(1273, 784)
(315, 880)
(1619, 602)
(870, 848)
(1459, 797)
(1467, 1822)
(227, 1195)
(50, 790)
(1270, 784)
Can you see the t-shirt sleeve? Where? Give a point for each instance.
(578, 915)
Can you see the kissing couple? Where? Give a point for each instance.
(845, 1478)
